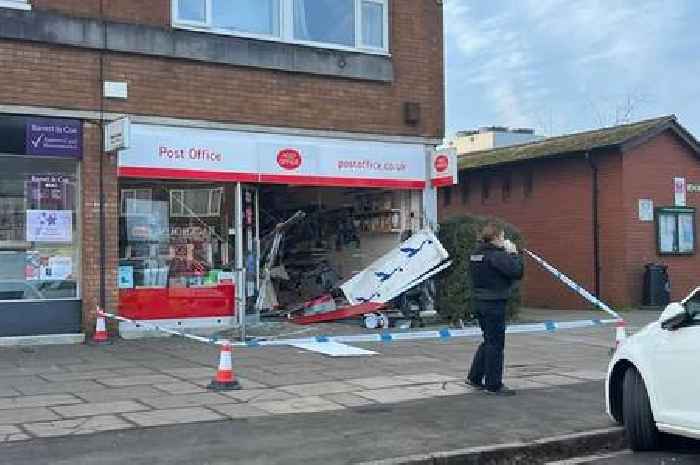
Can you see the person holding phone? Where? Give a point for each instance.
(496, 267)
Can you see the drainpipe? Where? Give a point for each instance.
(596, 233)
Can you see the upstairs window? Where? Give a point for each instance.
(346, 24)
(17, 4)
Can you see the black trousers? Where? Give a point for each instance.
(487, 366)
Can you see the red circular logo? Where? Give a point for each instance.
(442, 163)
(289, 159)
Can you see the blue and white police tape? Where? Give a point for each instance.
(440, 334)
(574, 286)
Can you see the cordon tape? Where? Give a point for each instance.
(445, 333)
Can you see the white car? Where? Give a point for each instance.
(653, 382)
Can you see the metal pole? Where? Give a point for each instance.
(240, 270)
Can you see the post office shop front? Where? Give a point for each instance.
(39, 226)
(196, 205)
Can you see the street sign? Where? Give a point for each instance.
(117, 134)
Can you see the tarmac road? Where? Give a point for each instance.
(676, 451)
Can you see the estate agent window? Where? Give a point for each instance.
(675, 230)
(360, 25)
(39, 234)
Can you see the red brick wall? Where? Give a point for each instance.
(156, 13)
(649, 172)
(555, 220)
(90, 232)
(187, 89)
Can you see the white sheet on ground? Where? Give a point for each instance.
(333, 349)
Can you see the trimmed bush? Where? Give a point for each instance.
(460, 235)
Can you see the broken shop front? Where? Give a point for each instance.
(208, 217)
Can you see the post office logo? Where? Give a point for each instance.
(289, 159)
(442, 162)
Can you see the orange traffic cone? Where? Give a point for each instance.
(100, 336)
(225, 379)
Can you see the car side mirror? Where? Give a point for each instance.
(673, 316)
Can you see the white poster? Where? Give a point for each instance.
(60, 268)
(49, 225)
(667, 233)
(686, 239)
(646, 210)
(679, 190)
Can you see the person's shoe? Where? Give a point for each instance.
(503, 391)
(474, 385)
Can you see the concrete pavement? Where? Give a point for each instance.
(353, 435)
(78, 390)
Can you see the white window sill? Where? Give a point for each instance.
(223, 32)
(15, 5)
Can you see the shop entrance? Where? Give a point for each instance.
(343, 231)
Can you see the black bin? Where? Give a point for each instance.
(657, 285)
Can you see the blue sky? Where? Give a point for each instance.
(567, 65)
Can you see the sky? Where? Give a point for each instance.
(562, 66)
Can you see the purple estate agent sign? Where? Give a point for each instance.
(54, 137)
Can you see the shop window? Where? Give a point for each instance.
(136, 202)
(528, 182)
(17, 4)
(195, 202)
(506, 187)
(675, 230)
(447, 196)
(173, 237)
(465, 190)
(485, 188)
(39, 231)
(347, 24)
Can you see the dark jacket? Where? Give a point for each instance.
(494, 272)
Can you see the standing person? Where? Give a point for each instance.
(495, 268)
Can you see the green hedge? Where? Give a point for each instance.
(460, 235)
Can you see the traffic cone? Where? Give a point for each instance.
(100, 337)
(225, 379)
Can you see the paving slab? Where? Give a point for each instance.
(60, 387)
(77, 426)
(311, 404)
(18, 381)
(180, 388)
(12, 433)
(392, 395)
(173, 416)
(523, 383)
(592, 375)
(239, 410)
(186, 400)
(192, 372)
(109, 394)
(138, 380)
(99, 408)
(378, 382)
(26, 415)
(348, 400)
(37, 401)
(318, 389)
(428, 378)
(257, 395)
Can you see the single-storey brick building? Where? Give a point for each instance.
(598, 205)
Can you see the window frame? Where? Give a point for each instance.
(677, 212)
(182, 213)
(16, 4)
(286, 27)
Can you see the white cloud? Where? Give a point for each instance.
(523, 57)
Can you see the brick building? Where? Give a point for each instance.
(225, 110)
(634, 217)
